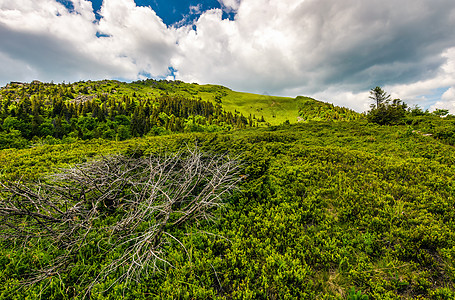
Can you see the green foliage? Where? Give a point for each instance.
(97, 109)
(353, 295)
(12, 139)
(126, 211)
(433, 126)
(441, 112)
(379, 96)
(111, 110)
(388, 114)
(384, 111)
(313, 110)
(323, 207)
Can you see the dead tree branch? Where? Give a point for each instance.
(149, 197)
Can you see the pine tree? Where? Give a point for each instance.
(379, 96)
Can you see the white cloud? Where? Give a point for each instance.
(196, 9)
(328, 49)
(137, 36)
(46, 38)
(424, 92)
(230, 5)
(359, 102)
(243, 53)
(61, 45)
(449, 96)
(315, 47)
(16, 70)
(50, 17)
(447, 101)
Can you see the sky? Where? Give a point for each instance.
(331, 50)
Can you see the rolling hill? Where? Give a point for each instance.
(325, 206)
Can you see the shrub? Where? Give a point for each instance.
(128, 207)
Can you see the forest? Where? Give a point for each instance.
(161, 189)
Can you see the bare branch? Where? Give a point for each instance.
(150, 197)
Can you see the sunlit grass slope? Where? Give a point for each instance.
(261, 110)
(275, 110)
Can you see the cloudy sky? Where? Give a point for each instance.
(331, 50)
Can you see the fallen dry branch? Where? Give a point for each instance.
(149, 197)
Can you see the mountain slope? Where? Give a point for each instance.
(53, 113)
(323, 207)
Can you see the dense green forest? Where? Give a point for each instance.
(40, 111)
(54, 113)
(325, 204)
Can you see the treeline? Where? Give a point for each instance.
(313, 110)
(49, 112)
(385, 111)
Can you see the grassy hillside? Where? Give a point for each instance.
(47, 113)
(323, 208)
(157, 189)
(275, 110)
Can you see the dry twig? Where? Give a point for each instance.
(150, 197)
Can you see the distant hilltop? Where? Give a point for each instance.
(18, 83)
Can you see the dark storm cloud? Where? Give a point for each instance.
(47, 56)
(384, 42)
(314, 46)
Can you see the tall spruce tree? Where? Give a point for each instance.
(379, 96)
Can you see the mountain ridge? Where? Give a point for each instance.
(113, 109)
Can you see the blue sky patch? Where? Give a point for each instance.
(100, 34)
(172, 12)
(68, 4)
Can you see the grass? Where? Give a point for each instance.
(275, 110)
(324, 208)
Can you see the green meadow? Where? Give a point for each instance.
(215, 204)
